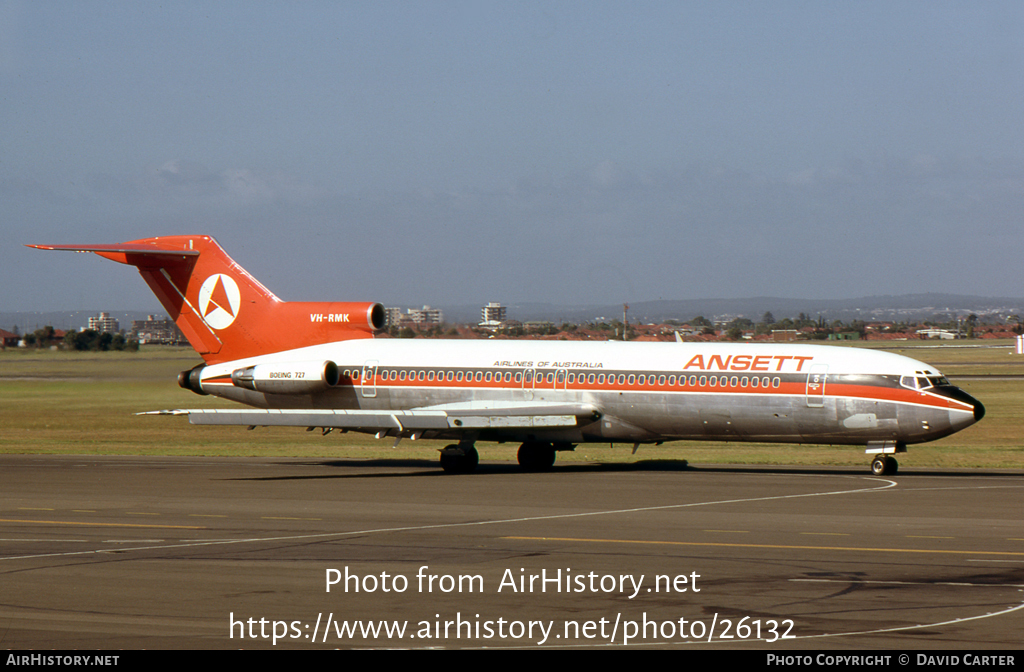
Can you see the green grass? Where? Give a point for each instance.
(85, 403)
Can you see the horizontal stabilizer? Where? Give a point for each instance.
(122, 248)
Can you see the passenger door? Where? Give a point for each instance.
(816, 379)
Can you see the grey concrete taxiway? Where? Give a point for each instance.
(161, 552)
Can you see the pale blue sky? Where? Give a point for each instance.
(563, 152)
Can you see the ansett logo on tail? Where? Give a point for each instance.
(219, 300)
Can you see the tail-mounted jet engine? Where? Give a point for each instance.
(192, 379)
(288, 378)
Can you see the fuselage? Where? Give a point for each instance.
(641, 392)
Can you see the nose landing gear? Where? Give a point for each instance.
(884, 465)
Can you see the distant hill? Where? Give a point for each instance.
(907, 307)
(870, 308)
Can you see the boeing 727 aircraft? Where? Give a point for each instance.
(318, 365)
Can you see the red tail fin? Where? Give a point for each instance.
(224, 312)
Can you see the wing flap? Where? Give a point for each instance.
(415, 420)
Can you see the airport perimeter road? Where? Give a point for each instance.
(160, 552)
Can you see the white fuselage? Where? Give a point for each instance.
(641, 392)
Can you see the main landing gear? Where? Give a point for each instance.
(536, 456)
(460, 458)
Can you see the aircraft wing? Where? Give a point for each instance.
(472, 416)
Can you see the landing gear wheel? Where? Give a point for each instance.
(884, 465)
(458, 459)
(536, 456)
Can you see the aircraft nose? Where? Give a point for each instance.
(964, 420)
(979, 408)
(958, 418)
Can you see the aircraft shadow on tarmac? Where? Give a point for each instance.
(381, 468)
(430, 469)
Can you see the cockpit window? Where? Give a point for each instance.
(923, 382)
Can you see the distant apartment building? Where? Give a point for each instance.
(493, 315)
(393, 316)
(426, 315)
(152, 330)
(104, 324)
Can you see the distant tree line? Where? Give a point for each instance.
(90, 339)
(40, 338)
